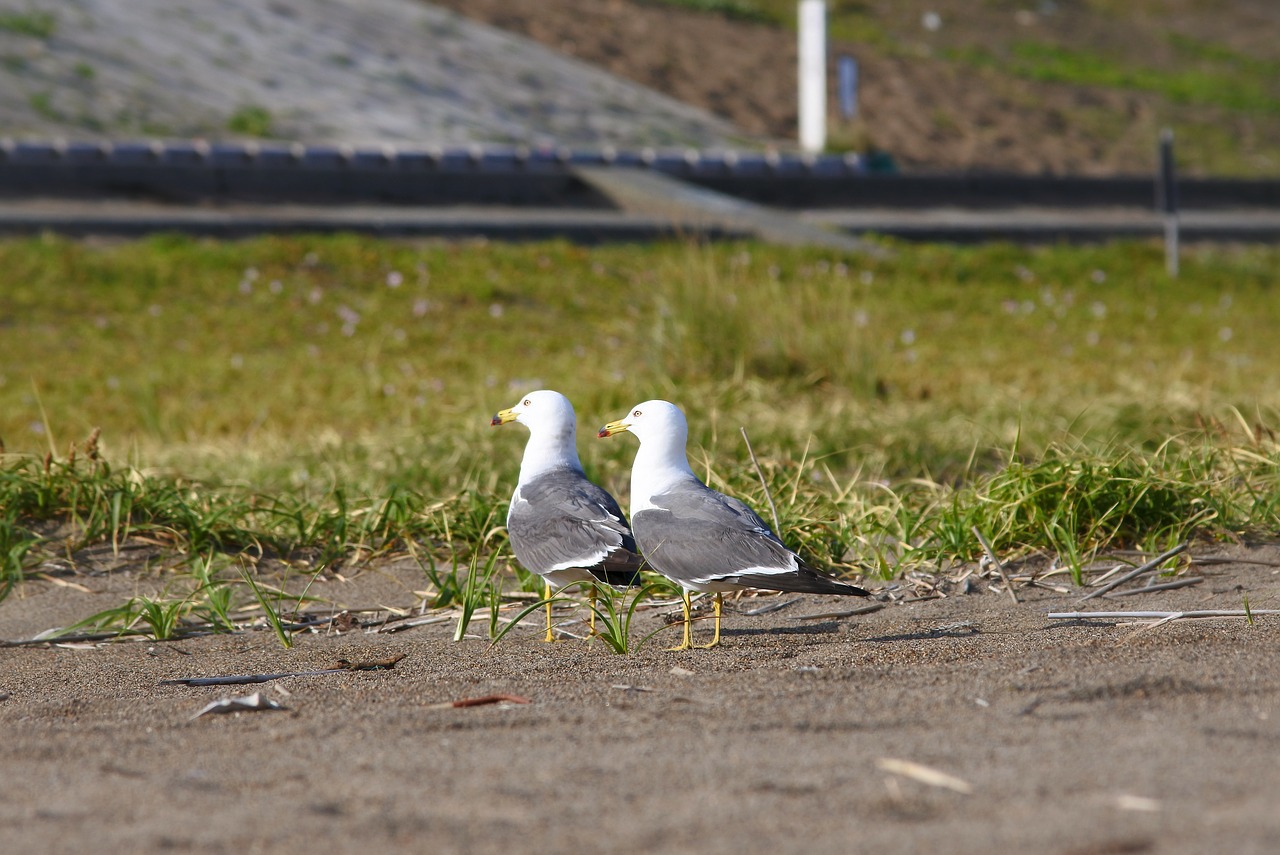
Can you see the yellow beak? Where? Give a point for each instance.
(503, 417)
(613, 428)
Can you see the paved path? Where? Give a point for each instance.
(1051, 224)
(691, 215)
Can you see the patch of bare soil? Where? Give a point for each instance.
(1059, 737)
(928, 113)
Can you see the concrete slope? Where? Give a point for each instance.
(340, 71)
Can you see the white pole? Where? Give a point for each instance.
(812, 23)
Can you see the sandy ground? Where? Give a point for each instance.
(1076, 737)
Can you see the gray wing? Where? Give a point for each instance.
(699, 536)
(561, 520)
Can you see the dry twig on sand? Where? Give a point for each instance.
(1163, 586)
(1162, 616)
(991, 553)
(1136, 572)
(924, 774)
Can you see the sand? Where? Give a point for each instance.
(1070, 737)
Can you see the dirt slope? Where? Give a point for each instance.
(919, 104)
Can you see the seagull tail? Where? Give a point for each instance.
(807, 581)
(617, 578)
(619, 570)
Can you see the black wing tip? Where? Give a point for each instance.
(814, 581)
(827, 585)
(617, 578)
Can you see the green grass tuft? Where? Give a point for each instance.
(757, 11)
(37, 25)
(1218, 84)
(252, 121)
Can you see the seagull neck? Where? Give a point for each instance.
(547, 451)
(657, 468)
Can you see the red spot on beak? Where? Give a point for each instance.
(495, 421)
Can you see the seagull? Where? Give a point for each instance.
(698, 538)
(563, 527)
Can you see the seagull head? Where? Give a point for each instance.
(658, 421)
(543, 411)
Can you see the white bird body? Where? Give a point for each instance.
(697, 537)
(561, 526)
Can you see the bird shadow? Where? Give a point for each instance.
(825, 628)
(928, 635)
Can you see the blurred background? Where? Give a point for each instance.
(306, 358)
(1030, 86)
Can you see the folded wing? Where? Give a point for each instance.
(560, 520)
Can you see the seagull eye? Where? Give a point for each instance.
(636, 414)
(528, 403)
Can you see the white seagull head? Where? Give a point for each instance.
(552, 427)
(541, 411)
(657, 422)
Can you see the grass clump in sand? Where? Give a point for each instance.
(325, 401)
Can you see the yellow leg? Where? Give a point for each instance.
(546, 595)
(688, 622)
(715, 639)
(591, 598)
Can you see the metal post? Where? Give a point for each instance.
(1167, 201)
(848, 74)
(812, 21)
